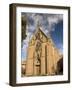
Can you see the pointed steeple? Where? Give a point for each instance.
(38, 24)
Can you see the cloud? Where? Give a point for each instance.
(53, 20)
(23, 53)
(46, 22)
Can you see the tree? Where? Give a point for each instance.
(60, 66)
(23, 29)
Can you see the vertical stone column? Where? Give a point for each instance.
(29, 65)
(43, 71)
(46, 59)
(50, 59)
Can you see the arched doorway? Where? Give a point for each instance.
(37, 69)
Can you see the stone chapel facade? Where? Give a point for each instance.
(42, 56)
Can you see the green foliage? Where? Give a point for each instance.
(23, 29)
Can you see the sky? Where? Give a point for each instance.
(50, 24)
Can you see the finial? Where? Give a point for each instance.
(38, 24)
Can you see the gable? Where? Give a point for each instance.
(39, 34)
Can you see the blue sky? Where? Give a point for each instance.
(51, 24)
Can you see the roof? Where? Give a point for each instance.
(39, 29)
